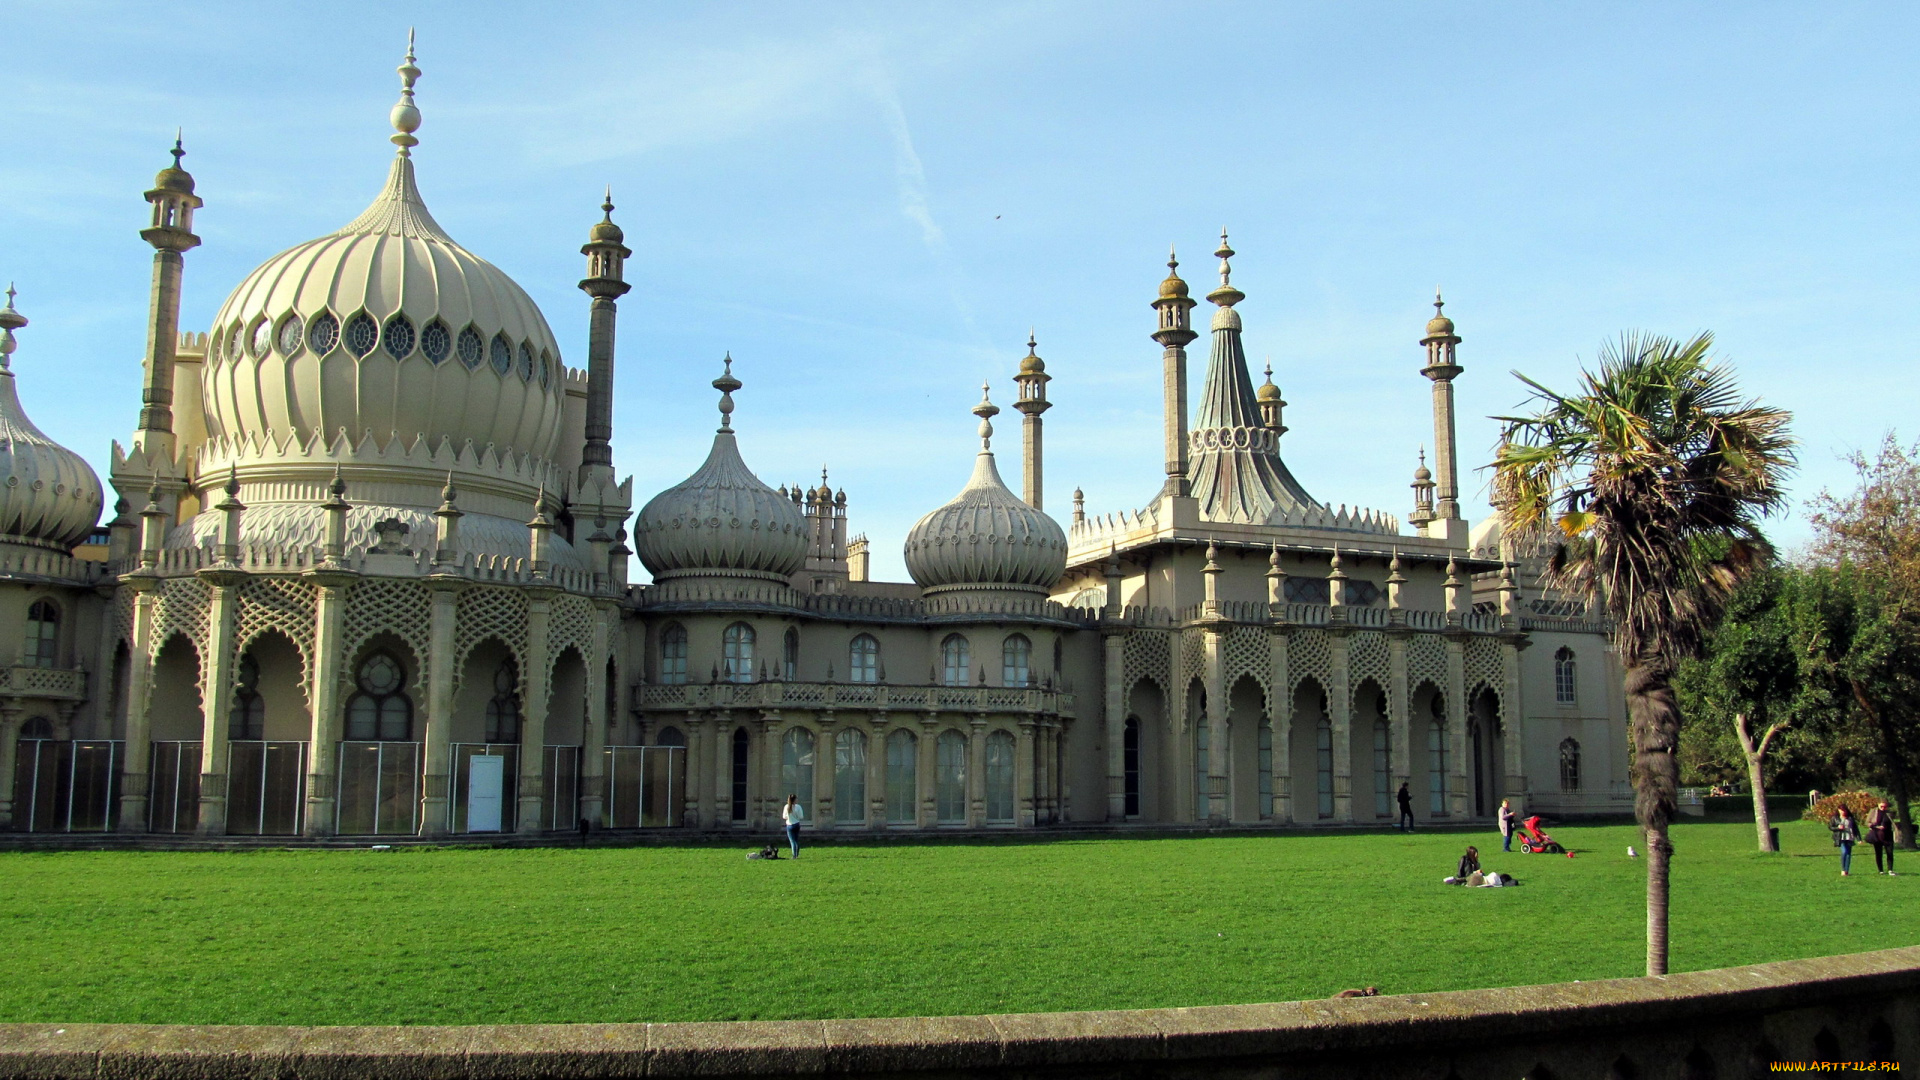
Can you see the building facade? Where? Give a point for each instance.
(366, 574)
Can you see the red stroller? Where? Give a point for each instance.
(1536, 842)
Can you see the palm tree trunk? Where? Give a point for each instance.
(1654, 716)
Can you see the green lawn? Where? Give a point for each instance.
(461, 936)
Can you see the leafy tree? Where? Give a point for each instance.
(1747, 674)
(1658, 472)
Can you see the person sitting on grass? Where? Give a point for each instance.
(1469, 871)
(768, 852)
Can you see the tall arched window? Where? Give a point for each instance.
(248, 720)
(1382, 769)
(380, 711)
(956, 658)
(902, 777)
(43, 634)
(850, 776)
(796, 767)
(1565, 684)
(1323, 763)
(1129, 764)
(999, 778)
(1016, 661)
(790, 655)
(503, 708)
(740, 742)
(863, 660)
(950, 779)
(1437, 757)
(736, 653)
(673, 655)
(1569, 765)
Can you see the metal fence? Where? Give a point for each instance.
(173, 793)
(645, 786)
(62, 785)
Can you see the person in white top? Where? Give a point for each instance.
(792, 815)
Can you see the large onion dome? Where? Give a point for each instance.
(387, 327)
(49, 496)
(987, 538)
(721, 521)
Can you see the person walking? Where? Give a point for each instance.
(1846, 833)
(1508, 819)
(1406, 809)
(791, 815)
(1880, 835)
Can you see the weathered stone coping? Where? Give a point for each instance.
(1585, 1018)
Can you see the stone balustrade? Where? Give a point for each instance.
(865, 697)
(1731, 1022)
(278, 559)
(46, 683)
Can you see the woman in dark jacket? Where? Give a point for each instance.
(1469, 864)
(1880, 835)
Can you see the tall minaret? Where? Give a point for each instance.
(1174, 334)
(171, 234)
(605, 282)
(1442, 369)
(1032, 380)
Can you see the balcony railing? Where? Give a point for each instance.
(869, 697)
(57, 684)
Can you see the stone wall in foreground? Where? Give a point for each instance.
(1721, 1024)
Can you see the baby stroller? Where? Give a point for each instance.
(1535, 842)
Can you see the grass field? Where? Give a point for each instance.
(460, 936)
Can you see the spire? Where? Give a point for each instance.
(10, 320)
(405, 115)
(1226, 295)
(727, 384)
(986, 411)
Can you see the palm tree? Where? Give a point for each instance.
(1656, 473)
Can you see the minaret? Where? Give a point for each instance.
(1032, 380)
(171, 234)
(1422, 485)
(1271, 405)
(1442, 369)
(1174, 334)
(606, 253)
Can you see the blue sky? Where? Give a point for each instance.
(870, 204)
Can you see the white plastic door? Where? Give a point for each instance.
(486, 776)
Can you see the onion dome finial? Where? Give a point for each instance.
(1172, 287)
(1226, 295)
(405, 115)
(10, 320)
(727, 384)
(1439, 325)
(986, 411)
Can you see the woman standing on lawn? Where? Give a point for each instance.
(791, 815)
(1880, 835)
(1508, 819)
(1846, 832)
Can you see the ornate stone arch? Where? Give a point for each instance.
(270, 604)
(394, 606)
(1485, 671)
(1367, 658)
(1248, 652)
(1309, 655)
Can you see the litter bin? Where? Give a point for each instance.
(1773, 837)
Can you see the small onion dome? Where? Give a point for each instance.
(1173, 287)
(49, 496)
(721, 521)
(1267, 392)
(986, 538)
(173, 177)
(605, 231)
(1422, 474)
(1439, 325)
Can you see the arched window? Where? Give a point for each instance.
(1323, 763)
(1382, 769)
(950, 779)
(796, 767)
(43, 634)
(1000, 779)
(1565, 686)
(248, 719)
(1437, 757)
(850, 776)
(503, 708)
(673, 655)
(1016, 658)
(38, 727)
(790, 656)
(736, 653)
(670, 736)
(380, 711)
(902, 777)
(863, 660)
(739, 774)
(956, 657)
(1569, 765)
(1129, 763)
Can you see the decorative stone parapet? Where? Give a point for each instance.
(1730, 1022)
(870, 697)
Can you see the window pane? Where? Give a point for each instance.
(1000, 778)
(796, 768)
(850, 776)
(902, 798)
(950, 795)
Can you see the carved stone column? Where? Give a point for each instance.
(927, 772)
(1340, 720)
(437, 743)
(1459, 799)
(1280, 715)
(697, 813)
(9, 751)
(323, 750)
(533, 728)
(137, 759)
(977, 770)
(593, 743)
(1023, 773)
(1219, 743)
(821, 810)
(767, 800)
(722, 762)
(1514, 732)
(1113, 641)
(877, 772)
(1399, 711)
(220, 667)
